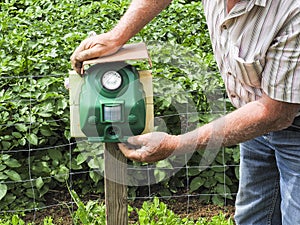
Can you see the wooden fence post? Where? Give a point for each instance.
(115, 175)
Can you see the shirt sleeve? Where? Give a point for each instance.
(281, 75)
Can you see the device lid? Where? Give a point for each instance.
(136, 51)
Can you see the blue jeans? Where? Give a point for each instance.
(269, 189)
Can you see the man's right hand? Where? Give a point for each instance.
(93, 47)
(138, 14)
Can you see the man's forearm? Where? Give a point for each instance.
(139, 13)
(252, 120)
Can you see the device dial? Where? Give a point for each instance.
(111, 80)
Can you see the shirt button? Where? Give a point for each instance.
(233, 95)
(224, 27)
(229, 73)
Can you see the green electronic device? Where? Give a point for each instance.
(112, 103)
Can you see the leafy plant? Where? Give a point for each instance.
(153, 212)
(16, 220)
(37, 38)
(156, 213)
(91, 213)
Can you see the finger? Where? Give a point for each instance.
(76, 65)
(97, 50)
(135, 140)
(90, 53)
(94, 52)
(129, 153)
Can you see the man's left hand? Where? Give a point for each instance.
(93, 47)
(150, 147)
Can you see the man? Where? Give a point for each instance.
(257, 48)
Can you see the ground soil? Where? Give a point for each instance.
(192, 208)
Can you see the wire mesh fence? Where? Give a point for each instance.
(38, 173)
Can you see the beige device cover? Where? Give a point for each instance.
(136, 51)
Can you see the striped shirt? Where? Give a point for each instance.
(257, 48)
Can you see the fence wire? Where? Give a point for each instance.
(149, 188)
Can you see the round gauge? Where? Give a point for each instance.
(111, 80)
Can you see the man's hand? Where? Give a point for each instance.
(150, 147)
(139, 13)
(93, 47)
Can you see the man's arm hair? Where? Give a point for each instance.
(139, 14)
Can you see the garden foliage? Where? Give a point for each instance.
(38, 156)
(155, 212)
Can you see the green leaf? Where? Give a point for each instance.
(8, 199)
(164, 192)
(21, 127)
(210, 182)
(3, 190)
(164, 164)
(194, 171)
(237, 172)
(5, 157)
(17, 134)
(33, 139)
(223, 178)
(46, 131)
(219, 168)
(62, 174)
(159, 175)
(196, 183)
(96, 163)
(218, 200)
(39, 183)
(17, 221)
(2, 167)
(31, 193)
(5, 145)
(223, 190)
(13, 163)
(22, 141)
(13, 175)
(96, 177)
(62, 103)
(43, 190)
(55, 154)
(207, 173)
(74, 165)
(3, 176)
(81, 158)
(45, 114)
